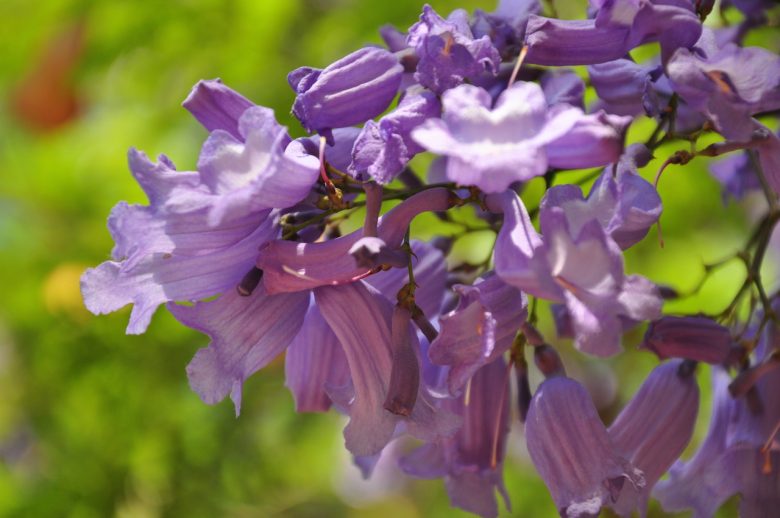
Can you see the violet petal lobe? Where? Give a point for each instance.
(246, 334)
(314, 363)
(555, 42)
(594, 140)
(480, 329)
(217, 106)
(573, 452)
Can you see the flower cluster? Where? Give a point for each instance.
(396, 335)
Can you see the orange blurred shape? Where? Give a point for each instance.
(45, 99)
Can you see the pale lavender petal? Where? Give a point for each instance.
(258, 174)
(246, 334)
(163, 255)
(655, 427)
(217, 106)
(493, 148)
(572, 450)
(519, 252)
(313, 362)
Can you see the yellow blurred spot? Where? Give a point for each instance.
(62, 292)
(389, 508)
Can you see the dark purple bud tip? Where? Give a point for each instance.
(250, 281)
(687, 369)
(548, 362)
(523, 389)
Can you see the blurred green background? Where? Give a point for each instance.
(95, 423)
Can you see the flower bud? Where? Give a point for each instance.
(694, 338)
(350, 91)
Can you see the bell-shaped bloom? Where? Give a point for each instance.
(315, 364)
(216, 106)
(199, 235)
(291, 266)
(655, 427)
(479, 330)
(691, 337)
(347, 92)
(246, 332)
(573, 452)
(361, 318)
(383, 148)
(471, 461)
(578, 264)
(619, 26)
(728, 85)
(448, 52)
(491, 148)
(625, 204)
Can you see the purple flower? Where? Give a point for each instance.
(578, 264)
(506, 25)
(384, 148)
(655, 427)
(625, 204)
(479, 330)
(471, 461)
(695, 338)
(199, 235)
(573, 452)
(217, 107)
(728, 85)
(350, 91)
(448, 52)
(619, 26)
(493, 148)
(361, 319)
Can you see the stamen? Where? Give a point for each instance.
(766, 450)
(518, 64)
(249, 282)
